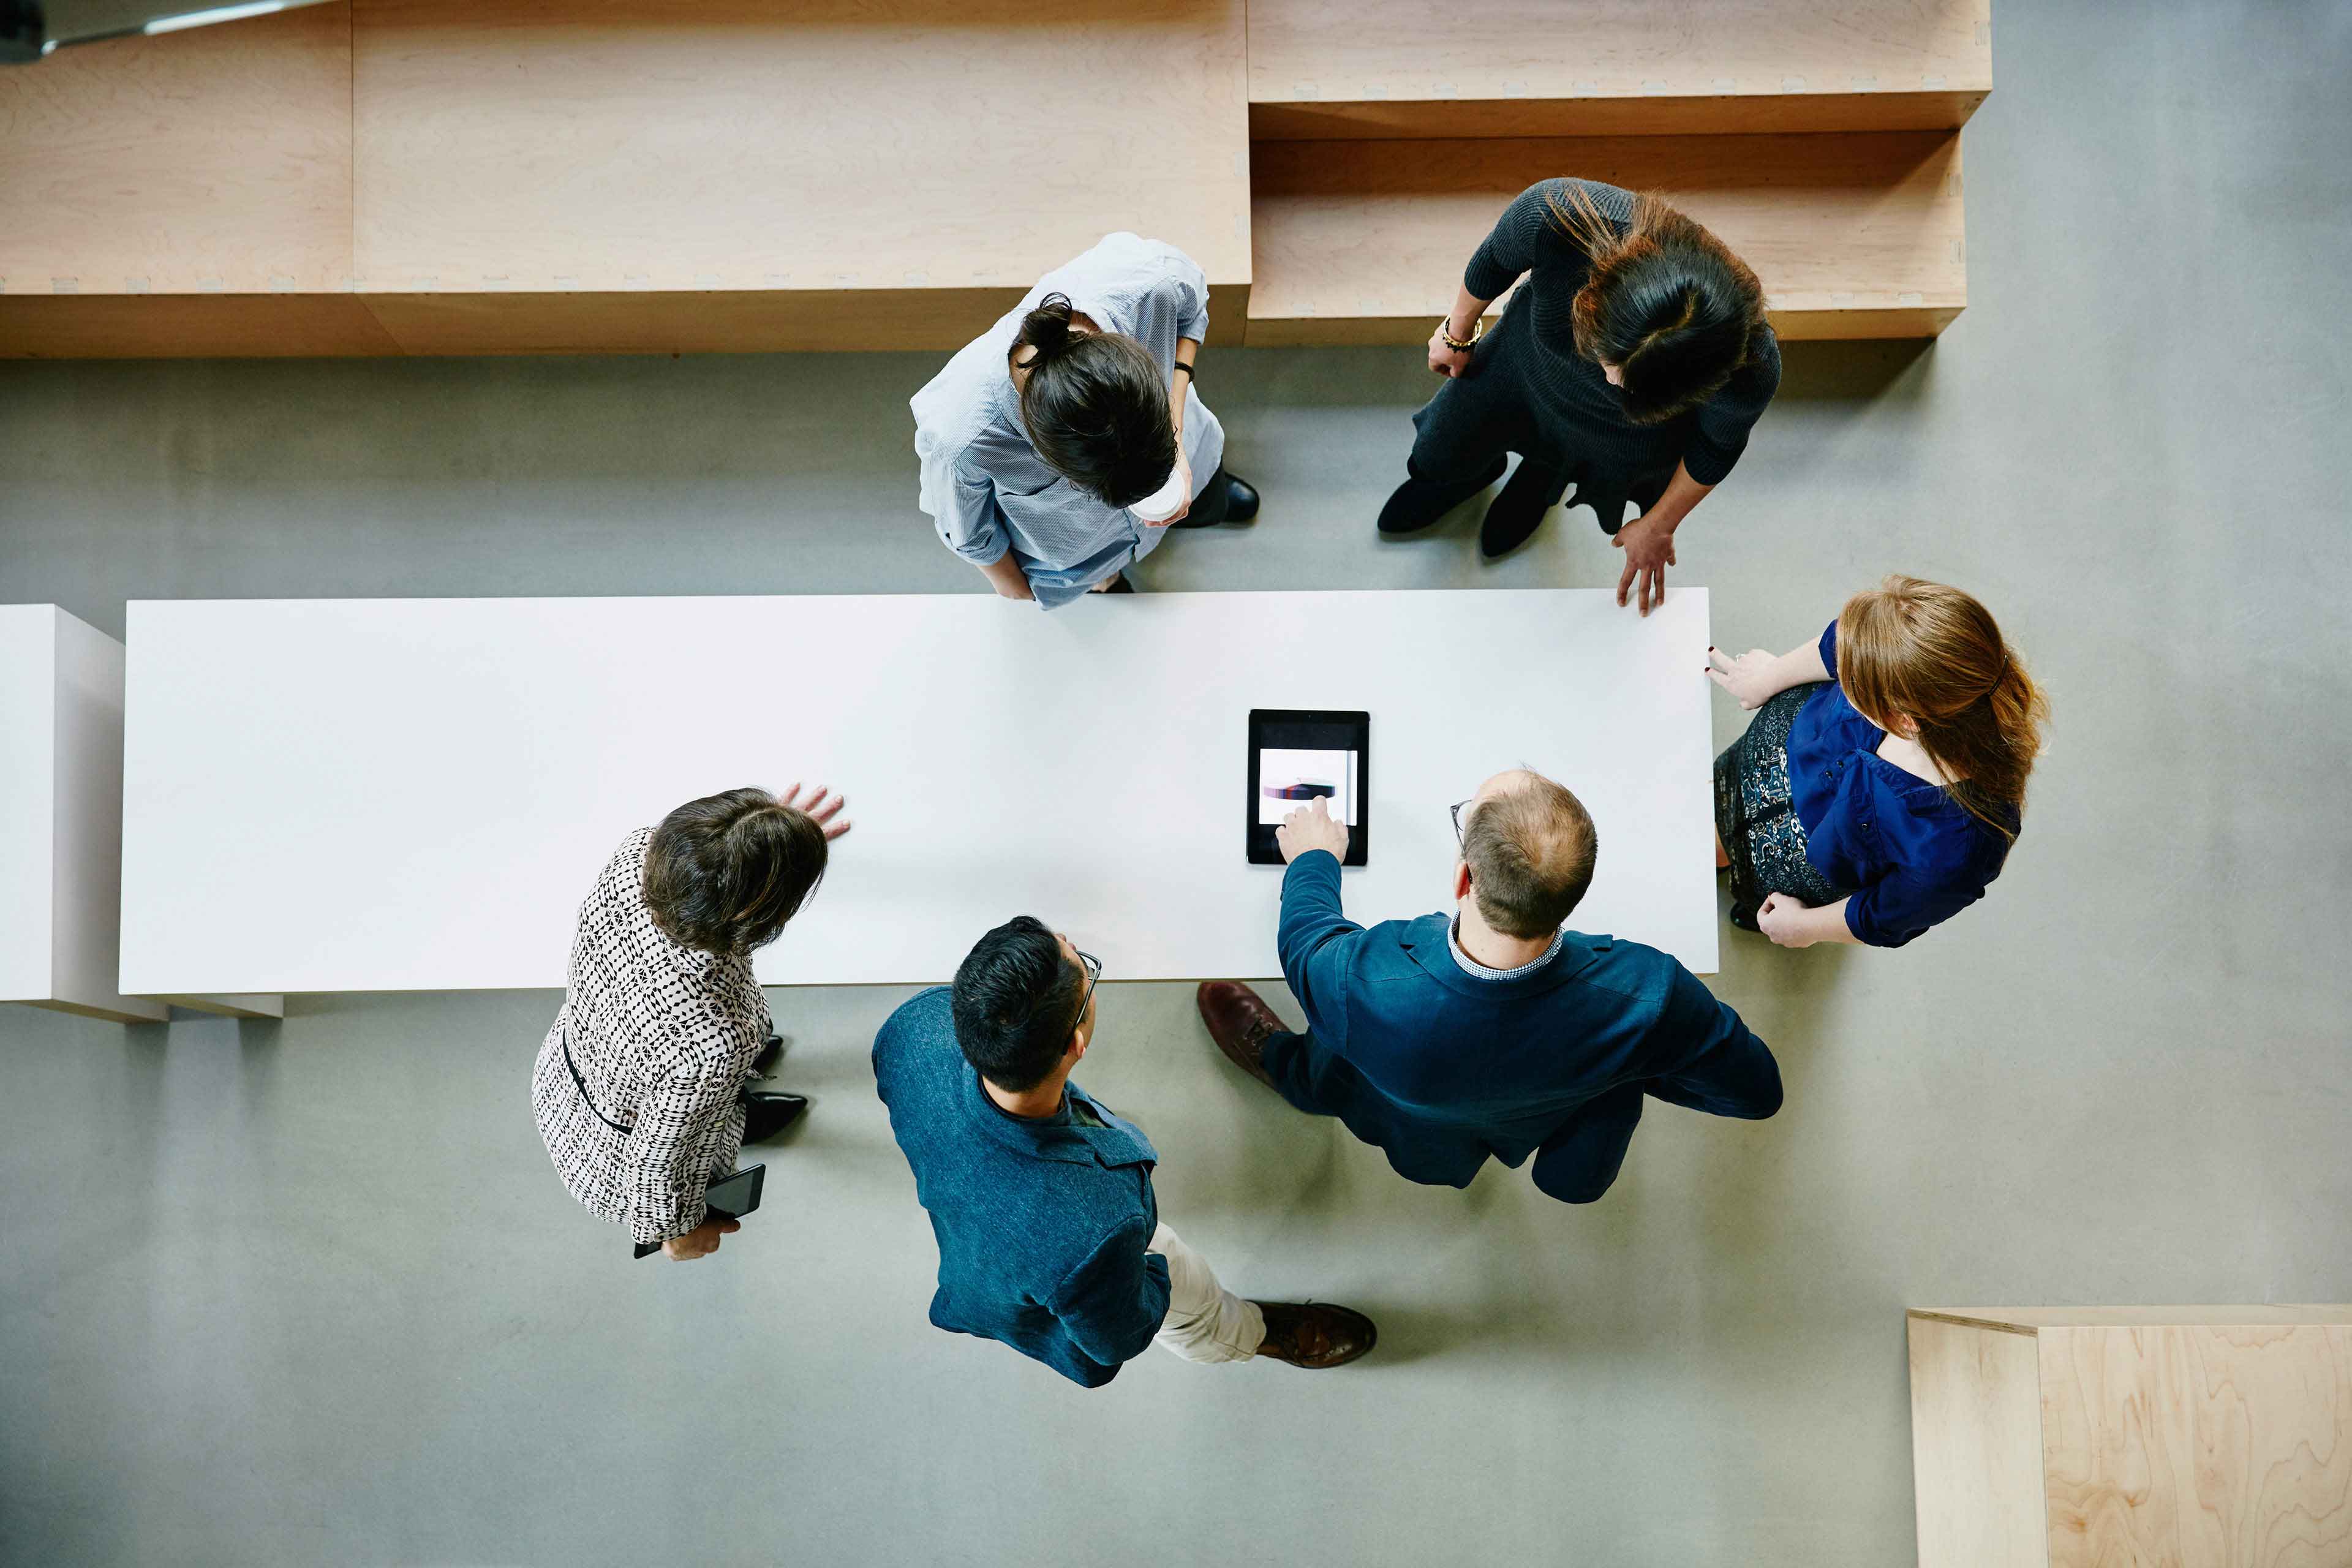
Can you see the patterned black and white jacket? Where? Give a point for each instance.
(662, 1038)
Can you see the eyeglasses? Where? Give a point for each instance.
(1457, 815)
(1094, 977)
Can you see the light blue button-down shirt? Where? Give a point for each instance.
(983, 482)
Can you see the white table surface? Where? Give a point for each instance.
(410, 794)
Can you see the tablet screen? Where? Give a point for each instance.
(1289, 778)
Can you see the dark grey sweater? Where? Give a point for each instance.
(1534, 347)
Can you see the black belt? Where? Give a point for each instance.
(564, 1038)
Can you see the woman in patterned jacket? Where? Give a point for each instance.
(639, 1089)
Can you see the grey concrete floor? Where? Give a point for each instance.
(307, 1292)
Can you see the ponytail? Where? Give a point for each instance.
(1935, 655)
(1046, 328)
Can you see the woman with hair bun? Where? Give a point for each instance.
(642, 1089)
(1881, 781)
(1631, 363)
(1060, 447)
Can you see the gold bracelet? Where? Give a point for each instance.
(1457, 344)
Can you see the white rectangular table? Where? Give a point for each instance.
(406, 794)
(60, 813)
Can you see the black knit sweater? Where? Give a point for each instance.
(1534, 347)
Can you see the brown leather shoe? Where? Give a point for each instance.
(1239, 1022)
(1315, 1335)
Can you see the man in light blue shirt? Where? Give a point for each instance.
(1043, 441)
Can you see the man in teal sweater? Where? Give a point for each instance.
(1487, 1031)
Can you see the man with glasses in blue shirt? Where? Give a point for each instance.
(1487, 1030)
(1050, 1239)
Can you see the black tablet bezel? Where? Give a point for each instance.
(1256, 837)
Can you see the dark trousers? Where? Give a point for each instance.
(1580, 1160)
(1213, 504)
(1462, 434)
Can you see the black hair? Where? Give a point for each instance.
(1665, 301)
(1016, 1002)
(1096, 405)
(724, 873)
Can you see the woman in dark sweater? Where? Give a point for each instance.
(1882, 782)
(1632, 363)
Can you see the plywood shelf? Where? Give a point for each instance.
(1854, 236)
(506, 176)
(564, 176)
(1357, 69)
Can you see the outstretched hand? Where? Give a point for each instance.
(1648, 550)
(1311, 827)
(1749, 677)
(825, 813)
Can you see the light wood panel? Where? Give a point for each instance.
(834, 145)
(215, 159)
(2188, 1438)
(1976, 1447)
(1853, 235)
(1354, 68)
(2217, 1447)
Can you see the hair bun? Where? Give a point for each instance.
(1046, 328)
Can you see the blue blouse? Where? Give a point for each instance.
(1915, 856)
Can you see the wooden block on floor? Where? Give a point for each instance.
(61, 816)
(1352, 69)
(1853, 235)
(2080, 1438)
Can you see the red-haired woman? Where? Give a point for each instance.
(1881, 781)
(1631, 363)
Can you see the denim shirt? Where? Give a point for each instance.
(1914, 856)
(983, 483)
(1042, 1223)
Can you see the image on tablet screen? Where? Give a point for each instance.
(1289, 779)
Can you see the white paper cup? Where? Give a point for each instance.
(1161, 504)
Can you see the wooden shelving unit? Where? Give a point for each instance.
(523, 176)
(499, 176)
(1853, 235)
(1360, 68)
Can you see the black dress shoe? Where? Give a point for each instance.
(1224, 499)
(766, 1115)
(1242, 504)
(1519, 511)
(770, 1054)
(1120, 584)
(1418, 502)
(1316, 1335)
